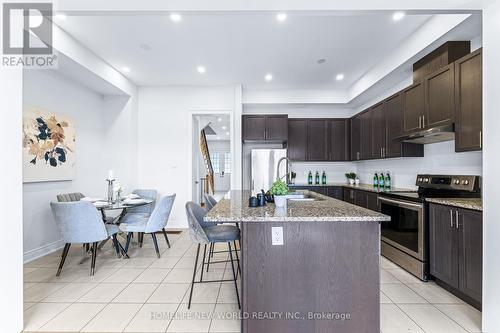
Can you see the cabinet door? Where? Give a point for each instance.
(317, 140)
(366, 136)
(470, 224)
(360, 198)
(254, 127)
(349, 195)
(297, 139)
(443, 242)
(440, 97)
(355, 138)
(339, 140)
(393, 125)
(335, 192)
(469, 102)
(277, 127)
(378, 130)
(372, 201)
(413, 107)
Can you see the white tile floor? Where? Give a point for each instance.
(146, 294)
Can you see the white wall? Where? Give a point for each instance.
(164, 139)
(491, 181)
(102, 132)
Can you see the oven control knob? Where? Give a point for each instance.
(426, 180)
(457, 181)
(420, 179)
(465, 182)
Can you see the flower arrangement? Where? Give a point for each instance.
(350, 175)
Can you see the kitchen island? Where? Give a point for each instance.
(323, 273)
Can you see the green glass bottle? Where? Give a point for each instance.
(381, 181)
(388, 182)
(310, 178)
(316, 178)
(323, 178)
(375, 180)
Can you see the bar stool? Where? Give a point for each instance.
(202, 232)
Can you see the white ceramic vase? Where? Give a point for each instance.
(351, 181)
(280, 200)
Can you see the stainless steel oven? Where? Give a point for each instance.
(404, 236)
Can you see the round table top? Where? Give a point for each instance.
(123, 205)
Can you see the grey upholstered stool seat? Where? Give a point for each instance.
(205, 233)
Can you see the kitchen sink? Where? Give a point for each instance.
(299, 196)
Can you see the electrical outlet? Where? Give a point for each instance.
(277, 235)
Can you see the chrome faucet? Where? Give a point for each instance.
(288, 163)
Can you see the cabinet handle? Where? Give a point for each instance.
(423, 121)
(481, 139)
(456, 218)
(451, 218)
(419, 122)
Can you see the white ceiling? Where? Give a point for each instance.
(243, 47)
(220, 123)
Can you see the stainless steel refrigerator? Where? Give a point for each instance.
(264, 164)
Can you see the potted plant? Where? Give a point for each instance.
(279, 190)
(351, 176)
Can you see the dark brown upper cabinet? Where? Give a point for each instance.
(339, 140)
(355, 138)
(297, 139)
(469, 102)
(377, 115)
(265, 128)
(439, 97)
(366, 136)
(413, 107)
(317, 140)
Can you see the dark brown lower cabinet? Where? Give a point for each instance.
(372, 201)
(361, 198)
(348, 195)
(455, 239)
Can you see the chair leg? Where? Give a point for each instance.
(234, 275)
(127, 244)
(115, 244)
(94, 257)
(194, 275)
(237, 257)
(140, 238)
(87, 247)
(166, 237)
(156, 244)
(203, 262)
(63, 258)
(122, 250)
(210, 255)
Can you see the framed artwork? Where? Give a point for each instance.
(49, 146)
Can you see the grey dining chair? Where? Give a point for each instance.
(202, 232)
(156, 222)
(143, 211)
(80, 222)
(69, 197)
(210, 201)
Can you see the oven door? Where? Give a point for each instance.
(406, 229)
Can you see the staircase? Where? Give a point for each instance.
(209, 183)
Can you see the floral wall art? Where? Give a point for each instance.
(48, 146)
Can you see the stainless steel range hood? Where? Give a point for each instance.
(431, 135)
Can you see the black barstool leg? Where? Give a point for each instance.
(237, 257)
(194, 275)
(115, 244)
(234, 275)
(127, 244)
(140, 238)
(166, 237)
(63, 258)
(210, 254)
(203, 261)
(94, 256)
(87, 247)
(156, 244)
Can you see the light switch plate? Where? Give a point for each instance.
(277, 235)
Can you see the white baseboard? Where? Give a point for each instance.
(42, 251)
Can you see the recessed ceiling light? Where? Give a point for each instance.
(281, 17)
(175, 17)
(201, 69)
(61, 17)
(227, 133)
(223, 127)
(398, 16)
(126, 69)
(219, 119)
(268, 77)
(339, 77)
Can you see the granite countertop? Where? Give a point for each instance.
(234, 208)
(364, 187)
(467, 203)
